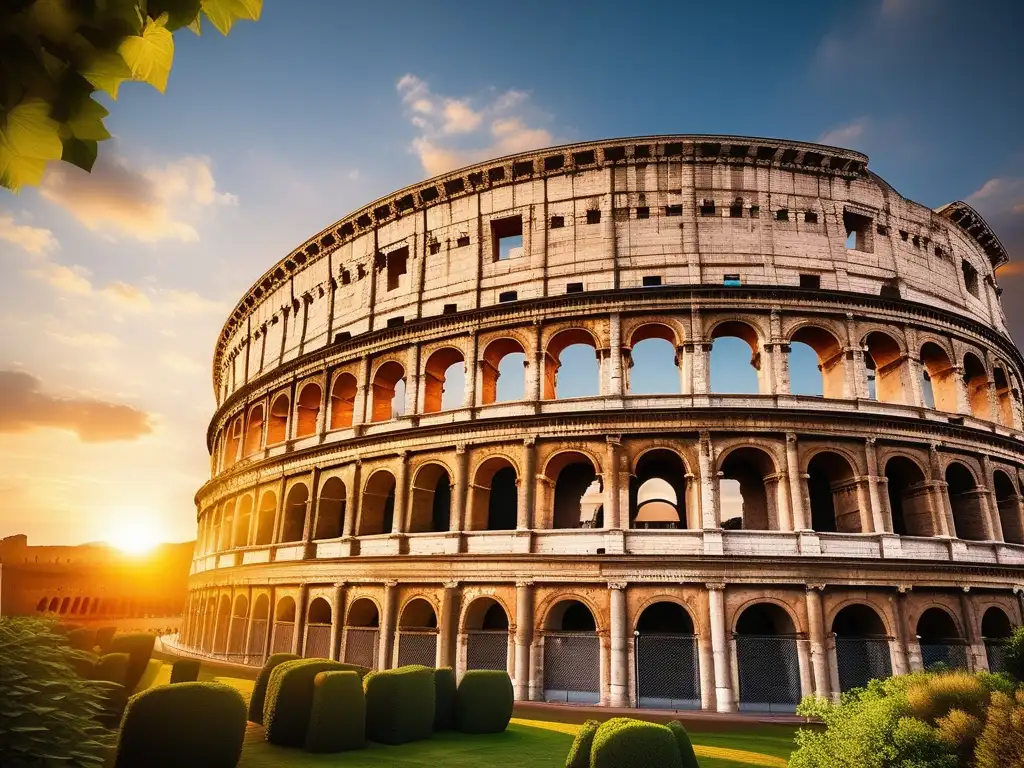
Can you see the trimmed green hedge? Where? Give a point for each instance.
(623, 742)
(337, 721)
(579, 752)
(259, 689)
(444, 699)
(400, 704)
(186, 724)
(82, 639)
(84, 664)
(685, 745)
(185, 670)
(139, 647)
(484, 701)
(290, 698)
(112, 667)
(104, 635)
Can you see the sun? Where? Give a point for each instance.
(136, 537)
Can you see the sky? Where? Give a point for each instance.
(114, 285)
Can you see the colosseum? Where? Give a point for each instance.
(404, 471)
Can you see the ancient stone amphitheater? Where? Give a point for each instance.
(378, 494)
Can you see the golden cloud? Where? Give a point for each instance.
(35, 240)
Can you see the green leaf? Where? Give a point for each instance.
(224, 13)
(83, 154)
(87, 121)
(149, 56)
(107, 71)
(28, 140)
(180, 13)
(53, 18)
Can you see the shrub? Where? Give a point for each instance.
(936, 696)
(185, 670)
(290, 698)
(399, 704)
(444, 699)
(682, 738)
(82, 639)
(259, 689)
(104, 635)
(579, 752)
(1013, 650)
(186, 724)
(139, 648)
(112, 667)
(484, 701)
(1001, 744)
(337, 721)
(996, 681)
(149, 676)
(36, 671)
(623, 742)
(84, 664)
(960, 733)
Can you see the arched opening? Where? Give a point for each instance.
(85, 605)
(209, 621)
(362, 633)
(244, 512)
(227, 522)
(667, 664)
(653, 366)
(254, 431)
(417, 634)
(76, 605)
(940, 640)
(1009, 503)
(307, 414)
(295, 508)
(431, 499)
(833, 493)
(735, 359)
(318, 630)
(487, 637)
(995, 631)
(657, 491)
(236, 633)
(258, 628)
(816, 363)
(265, 519)
(330, 510)
(343, 400)
(576, 349)
(1004, 397)
(233, 443)
(766, 653)
(748, 491)
(377, 507)
(862, 647)
(41, 605)
(909, 498)
(388, 381)
(277, 424)
(503, 372)
(494, 496)
(444, 380)
(284, 625)
(220, 640)
(884, 362)
(578, 497)
(938, 378)
(976, 383)
(967, 502)
(54, 605)
(571, 654)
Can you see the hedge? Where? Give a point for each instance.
(84, 664)
(290, 698)
(186, 724)
(82, 639)
(623, 742)
(259, 689)
(683, 742)
(104, 635)
(444, 699)
(400, 704)
(337, 721)
(139, 648)
(185, 670)
(579, 752)
(484, 701)
(112, 667)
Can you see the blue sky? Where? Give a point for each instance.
(116, 284)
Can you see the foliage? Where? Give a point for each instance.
(1013, 650)
(185, 724)
(996, 681)
(623, 742)
(290, 698)
(683, 742)
(185, 670)
(399, 704)
(54, 56)
(82, 639)
(579, 752)
(149, 675)
(444, 699)
(935, 697)
(259, 689)
(104, 635)
(47, 712)
(960, 732)
(139, 648)
(337, 721)
(112, 667)
(1001, 744)
(484, 701)
(84, 664)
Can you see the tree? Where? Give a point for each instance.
(55, 55)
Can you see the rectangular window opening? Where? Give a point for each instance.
(574, 288)
(450, 309)
(858, 231)
(651, 281)
(434, 248)
(731, 280)
(810, 217)
(673, 210)
(707, 208)
(462, 241)
(395, 322)
(882, 230)
(508, 296)
(890, 290)
(810, 281)
(970, 277)
(736, 210)
(397, 265)
(782, 214)
(557, 222)
(507, 238)
(755, 211)
(593, 216)
(643, 212)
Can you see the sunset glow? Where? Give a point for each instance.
(135, 537)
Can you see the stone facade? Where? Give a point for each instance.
(881, 525)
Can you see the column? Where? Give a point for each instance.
(701, 369)
(535, 377)
(524, 638)
(354, 496)
(457, 520)
(944, 524)
(906, 634)
(619, 647)
(385, 641)
(880, 521)
(527, 486)
(362, 392)
(268, 639)
(995, 524)
(616, 386)
(724, 698)
(470, 366)
(447, 626)
(299, 634)
(796, 484)
(309, 524)
(412, 380)
(978, 658)
(337, 620)
(611, 484)
(816, 636)
(401, 493)
(708, 478)
(963, 403)
(247, 633)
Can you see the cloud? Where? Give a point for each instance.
(182, 364)
(845, 135)
(454, 132)
(999, 195)
(83, 339)
(35, 240)
(157, 203)
(24, 407)
(74, 280)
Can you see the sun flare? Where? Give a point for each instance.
(135, 537)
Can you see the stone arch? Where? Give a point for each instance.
(938, 378)
(571, 651)
(234, 441)
(658, 490)
(254, 430)
(241, 607)
(570, 613)
(417, 613)
(437, 369)
(319, 616)
(54, 605)
(319, 611)
(557, 345)
(294, 513)
(362, 631)
(261, 607)
(385, 384)
(829, 378)
(967, 502)
(485, 613)
(833, 494)
(285, 609)
(665, 615)
(431, 506)
(277, 423)
(727, 374)
(330, 509)
(417, 632)
(227, 521)
(343, 400)
(284, 625)
(861, 645)
(76, 605)
(577, 498)
(652, 360)
(910, 497)
(500, 353)
(748, 489)
(494, 496)
(1005, 401)
(307, 409)
(995, 624)
(221, 639)
(244, 514)
(363, 612)
(377, 506)
(259, 625)
(884, 360)
(976, 384)
(265, 518)
(1008, 502)
(41, 605)
(940, 638)
(763, 613)
(768, 662)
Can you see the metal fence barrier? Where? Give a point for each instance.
(861, 659)
(221, 638)
(318, 641)
(257, 640)
(487, 649)
(995, 651)
(282, 642)
(572, 667)
(769, 671)
(667, 671)
(951, 654)
(361, 646)
(417, 648)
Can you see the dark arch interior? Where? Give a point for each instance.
(495, 618)
(572, 616)
(285, 610)
(503, 500)
(440, 511)
(908, 498)
(858, 621)
(665, 618)
(747, 468)
(937, 626)
(418, 614)
(764, 619)
(966, 502)
(319, 612)
(835, 507)
(995, 624)
(570, 487)
(363, 613)
(655, 512)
